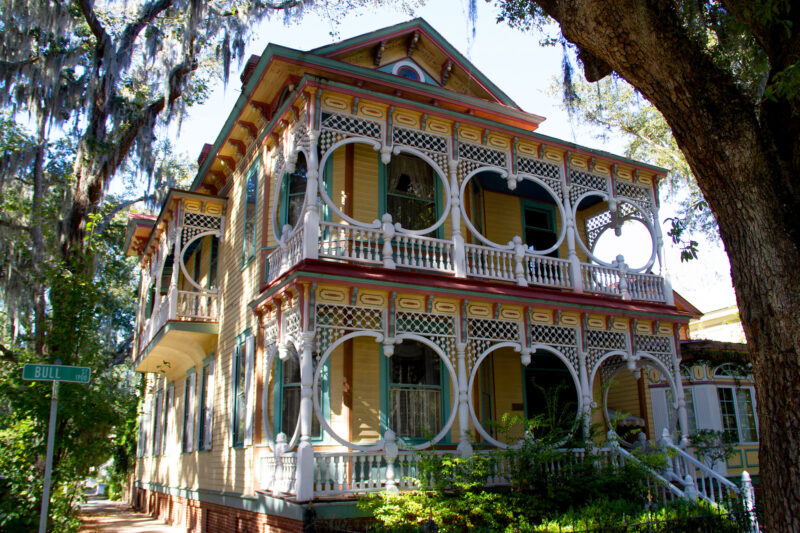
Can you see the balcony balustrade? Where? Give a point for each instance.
(514, 263)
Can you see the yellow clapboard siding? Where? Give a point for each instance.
(503, 217)
(366, 390)
(365, 183)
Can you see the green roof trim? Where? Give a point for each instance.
(272, 51)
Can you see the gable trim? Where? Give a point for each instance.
(435, 37)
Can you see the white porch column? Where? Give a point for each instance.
(459, 253)
(586, 392)
(311, 215)
(464, 447)
(172, 294)
(680, 398)
(574, 263)
(669, 298)
(305, 451)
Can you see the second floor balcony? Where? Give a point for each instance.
(553, 221)
(178, 314)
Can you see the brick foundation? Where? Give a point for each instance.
(204, 517)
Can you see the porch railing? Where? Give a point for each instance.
(515, 263)
(190, 306)
(362, 472)
(278, 473)
(709, 484)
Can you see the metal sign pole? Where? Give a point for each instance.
(48, 466)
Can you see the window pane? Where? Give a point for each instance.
(747, 416)
(416, 412)
(415, 364)
(728, 412)
(251, 196)
(295, 209)
(291, 409)
(411, 213)
(202, 418)
(407, 175)
(291, 368)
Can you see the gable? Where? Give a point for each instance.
(416, 41)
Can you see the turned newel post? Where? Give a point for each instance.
(280, 449)
(624, 287)
(464, 447)
(459, 251)
(574, 262)
(305, 451)
(519, 261)
(390, 452)
(387, 229)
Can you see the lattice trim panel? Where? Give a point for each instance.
(300, 133)
(196, 223)
(271, 333)
(547, 172)
(639, 194)
(659, 347)
(336, 127)
(438, 328)
(483, 333)
(581, 182)
(291, 326)
(610, 367)
(562, 338)
(434, 146)
(482, 155)
(595, 225)
(600, 342)
(336, 321)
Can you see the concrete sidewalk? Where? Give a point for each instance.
(107, 516)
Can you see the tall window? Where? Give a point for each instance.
(738, 414)
(239, 393)
(189, 412)
(411, 192)
(157, 414)
(242, 426)
(294, 192)
(415, 391)
(169, 405)
(250, 208)
(206, 406)
(539, 221)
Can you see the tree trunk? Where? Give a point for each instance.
(747, 167)
(37, 241)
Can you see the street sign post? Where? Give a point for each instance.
(55, 373)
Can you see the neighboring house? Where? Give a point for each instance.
(718, 388)
(380, 255)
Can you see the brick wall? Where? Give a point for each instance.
(204, 517)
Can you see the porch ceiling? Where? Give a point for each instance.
(178, 347)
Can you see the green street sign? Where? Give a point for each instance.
(75, 374)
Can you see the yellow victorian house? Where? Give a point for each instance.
(378, 255)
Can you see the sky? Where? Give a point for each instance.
(514, 61)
